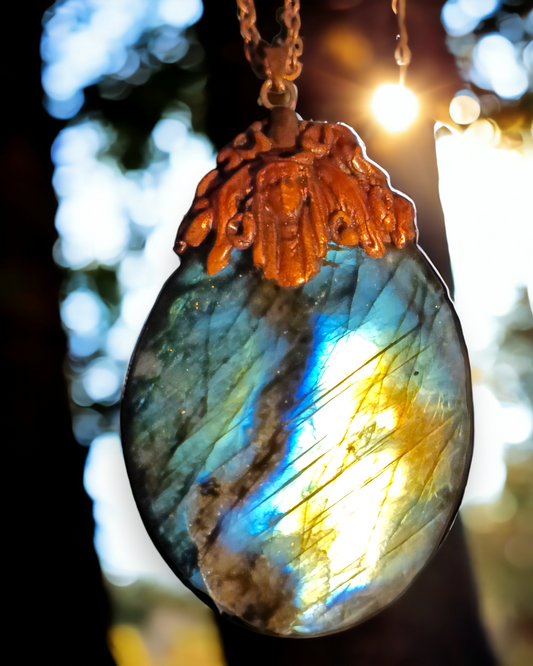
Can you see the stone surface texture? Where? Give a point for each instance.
(298, 454)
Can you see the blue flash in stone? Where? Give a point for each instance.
(298, 454)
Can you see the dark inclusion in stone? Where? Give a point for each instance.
(298, 454)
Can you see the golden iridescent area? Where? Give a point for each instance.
(300, 453)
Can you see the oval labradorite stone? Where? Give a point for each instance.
(298, 454)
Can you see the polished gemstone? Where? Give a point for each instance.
(298, 454)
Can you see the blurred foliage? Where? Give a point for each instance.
(156, 628)
(164, 75)
(500, 533)
(510, 114)
(128, 105)
(133, 106)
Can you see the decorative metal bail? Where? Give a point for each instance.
(276, 82)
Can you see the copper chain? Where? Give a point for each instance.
(278, 63)
(403, 52)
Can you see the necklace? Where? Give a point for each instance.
(297, 416)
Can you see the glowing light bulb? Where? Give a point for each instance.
(395, 107)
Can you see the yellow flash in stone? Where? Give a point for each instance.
(351, 485)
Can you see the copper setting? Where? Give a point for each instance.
(288, 188)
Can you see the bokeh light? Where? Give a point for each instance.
(479, 9)
(496, 67)
(485, 131)
(102, 380)
(498, 61)
(124, 548)
(456, 20)
(465, 108)
(85, 40)
(395, 107)
(485, 189)
(512, 27)
(81, 311)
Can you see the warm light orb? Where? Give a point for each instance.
(465, 108)
(395, 107)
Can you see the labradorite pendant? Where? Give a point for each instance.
(297, 418)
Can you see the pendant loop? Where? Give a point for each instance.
(289, 89)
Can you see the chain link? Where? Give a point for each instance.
(248, 18)
(277, 63)
(292, 21)
(403, 52)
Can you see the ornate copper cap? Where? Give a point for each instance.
(289, 188)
